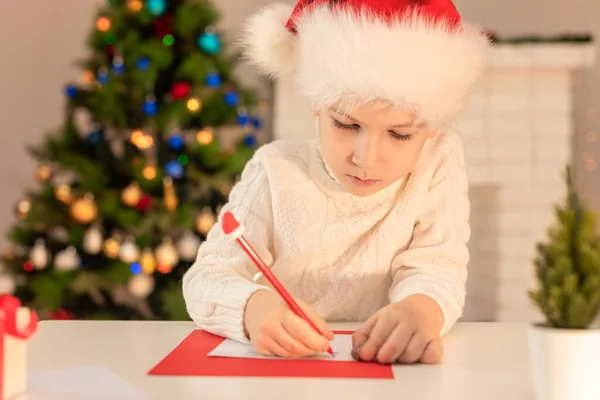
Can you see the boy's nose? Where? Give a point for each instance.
(366, 155)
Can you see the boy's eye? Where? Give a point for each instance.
(344, 126)
(399, 136)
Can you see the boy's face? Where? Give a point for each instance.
(372, 148)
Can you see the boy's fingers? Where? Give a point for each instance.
(317, 320)
(363, 332)
(379, 334)
(433, 352)
(301, 331)
(414, 349)
(293, 346)
(395, 344)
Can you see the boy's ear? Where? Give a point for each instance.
(431, 133)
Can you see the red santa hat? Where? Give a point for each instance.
(412, 53)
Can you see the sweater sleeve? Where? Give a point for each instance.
(435, 263)
(217, 286)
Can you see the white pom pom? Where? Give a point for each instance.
(268, 44)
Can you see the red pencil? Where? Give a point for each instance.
(232, 228)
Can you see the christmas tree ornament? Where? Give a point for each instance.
(8, 285)
(147, 261)
(39, 254)
(174, 169)
(156, 7)
(144, 204)
(71, 91)
(168, 40)
(209, 42)
(141, 285)
(118, 64)
(43, 172)
(243, 117)
(23, 208)
(141, 140)
(187, 246)
(176, 142)
(93, 240)
(204, 136)
(250, 141)
(87, 77)
(111, 247)
(194, 105)
(131, 194)
(103, 24)
(213, 80)
(134, 5)
(102, 75)
(180, 90)
(96, 135)
(170, 197)
(143, 63)
(84, 210)
(28, 266)
(63, 193)
(82, 119)
(150, 108)
(163, 25)
(232, 98)
(58, 234)
(129, 252)
(67, 259)
(166, 254)
(205, 221)
(149, 172)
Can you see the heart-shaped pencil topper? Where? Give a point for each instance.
(230, 224)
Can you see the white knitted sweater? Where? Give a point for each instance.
(345, 255)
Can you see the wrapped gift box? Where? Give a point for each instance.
(17, 326)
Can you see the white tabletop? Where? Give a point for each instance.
(482, 361)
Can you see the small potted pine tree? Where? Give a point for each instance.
(565, 348)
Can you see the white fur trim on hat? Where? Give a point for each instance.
(343, 58)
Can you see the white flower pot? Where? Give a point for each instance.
(565, 363)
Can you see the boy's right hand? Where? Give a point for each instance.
(275, 330)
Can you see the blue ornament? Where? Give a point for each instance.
(256, 123)
(102, 77)
(174, 170)
(71, 91)
(213, 80)
(176, 142)
(136, 268)
(156, 7)
(231, 98)
(150, 107)
(209, 43)
(118, 65)
(143, 63)
(243, 119)
(250, 141)
(95, 135)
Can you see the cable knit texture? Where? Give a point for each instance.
(347, 256)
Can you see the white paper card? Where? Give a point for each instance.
(341, 346)
(94, 382)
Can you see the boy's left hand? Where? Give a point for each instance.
(406, 332)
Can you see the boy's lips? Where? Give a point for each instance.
(362, 182)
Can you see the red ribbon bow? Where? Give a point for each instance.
(9, 306)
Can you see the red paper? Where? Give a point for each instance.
(190, 358)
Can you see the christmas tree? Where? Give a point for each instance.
(154, 137)
(568, 266)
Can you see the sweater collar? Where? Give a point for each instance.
(327, 182)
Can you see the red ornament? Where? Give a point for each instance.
(61, 314)
(163, 25)
(28, 266)
(110, 51)
(179, 90)
(144, 203)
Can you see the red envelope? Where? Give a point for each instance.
(190, 358)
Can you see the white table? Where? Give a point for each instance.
(482, 361)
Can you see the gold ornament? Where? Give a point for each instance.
(43, 172)
(147, 261)
(194, 105)
(23, 208)
(84, 210)
(111, 247)
(92, 240)
(132, 194)
(63, 193)
(166, 254)
(67, 259)
(39, 255)
(204, 136)
(141, 140)
(134, 5)
(171, 200)
(205, 221)
(188, 245)
(149, 172)
(129, 252)
(103, 24)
